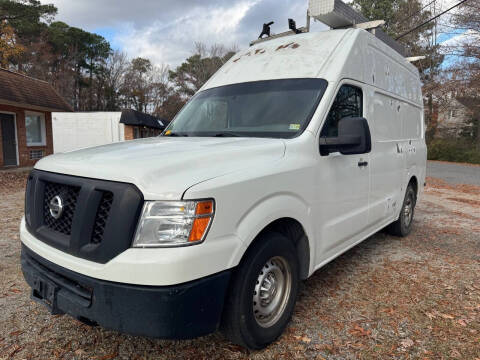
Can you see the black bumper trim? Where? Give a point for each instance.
(181, 311)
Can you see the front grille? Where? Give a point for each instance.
(69, 195)
(102, 216)
(98, 218)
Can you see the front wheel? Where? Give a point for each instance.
(262, 293)
(403, 225)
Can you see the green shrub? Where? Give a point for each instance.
(453, 150)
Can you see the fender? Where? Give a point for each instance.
(268, 209)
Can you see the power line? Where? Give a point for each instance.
(418, 12)
(428, 21)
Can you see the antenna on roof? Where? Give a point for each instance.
(293, 30)
(292, 25)
(266, 29)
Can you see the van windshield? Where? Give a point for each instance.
(272, 108)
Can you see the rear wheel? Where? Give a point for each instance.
(262, 293)
(403, 226)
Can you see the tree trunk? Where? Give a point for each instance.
(90, 97)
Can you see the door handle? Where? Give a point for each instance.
(362, 163)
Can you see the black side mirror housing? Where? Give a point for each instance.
(353, 138)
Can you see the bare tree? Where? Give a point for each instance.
(116, 67)
(198, 68)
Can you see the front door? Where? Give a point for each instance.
(342, 183)
(9, 142)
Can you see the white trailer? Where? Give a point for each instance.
(73, 131)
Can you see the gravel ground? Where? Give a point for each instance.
(411, 298)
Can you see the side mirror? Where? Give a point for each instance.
(353, 138)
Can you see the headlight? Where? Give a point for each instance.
(173, 223)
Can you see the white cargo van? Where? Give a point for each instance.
(293, 152)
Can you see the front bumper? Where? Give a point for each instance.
(150, 267)
(179, 311)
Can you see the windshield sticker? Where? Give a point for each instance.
(294, 127)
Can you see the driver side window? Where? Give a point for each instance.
(348, 103)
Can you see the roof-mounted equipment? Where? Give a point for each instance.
(266, 30)
(292, 25)
(337, 15)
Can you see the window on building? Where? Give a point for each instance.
(348, 103)
(35, 129)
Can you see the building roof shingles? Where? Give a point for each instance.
(137, 118)
(24, 91)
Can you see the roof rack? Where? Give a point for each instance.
(338, 15)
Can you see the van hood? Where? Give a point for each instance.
(163, 168)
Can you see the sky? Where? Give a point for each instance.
(165, 31)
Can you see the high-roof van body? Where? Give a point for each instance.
(296, 150)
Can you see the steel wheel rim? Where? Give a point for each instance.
(408, 210)
(272, 291)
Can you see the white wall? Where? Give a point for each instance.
(72, 131)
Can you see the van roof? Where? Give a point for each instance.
(331, 55)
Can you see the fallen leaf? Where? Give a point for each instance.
(430, 315)
(304, 339)
(15, 350)
(357, 330)
(447, 316)
(407, 343)
(455, 354)
(16, 333)
(389, 311)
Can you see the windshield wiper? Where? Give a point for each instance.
(175, 134)
(227, 134)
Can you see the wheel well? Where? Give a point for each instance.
(414, 182)
(292, 229)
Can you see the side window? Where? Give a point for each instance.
(348, 103)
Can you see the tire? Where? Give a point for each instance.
(403, 225)
(245, 321)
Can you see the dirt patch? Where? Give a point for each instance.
(466, 201)
(440, 184)
(388, 298)
(12, 181)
